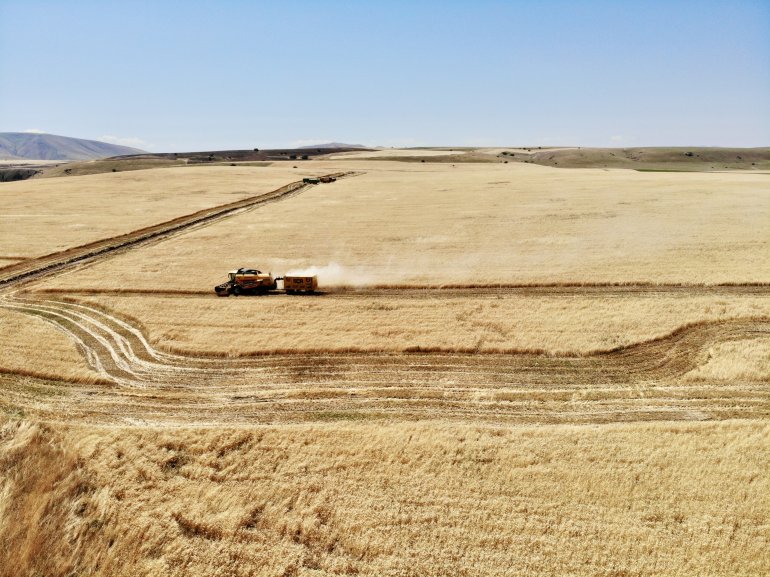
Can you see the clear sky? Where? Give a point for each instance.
(190, 75)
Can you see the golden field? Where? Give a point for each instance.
(20, 350)
(428, 225)
(42, 216)
(387, 499)
(510, 370)
(395, 321)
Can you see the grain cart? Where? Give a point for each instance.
(300, 284)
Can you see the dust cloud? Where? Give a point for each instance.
(334, 274)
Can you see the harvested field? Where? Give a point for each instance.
(567, 321)
(510, 370)
(657, 379)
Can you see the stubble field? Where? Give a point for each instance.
(510, 369)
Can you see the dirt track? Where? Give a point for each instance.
(143, 385)
(453, 291)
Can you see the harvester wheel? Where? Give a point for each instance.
(236, 291)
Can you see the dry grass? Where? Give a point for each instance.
(655, 158)
(739, 360)
(31, 346)
(419, 499)
(395, 463)
(42, 216)
(9, 261)
(431, 321)
(100, 166)
(433, 224)
(656, 380)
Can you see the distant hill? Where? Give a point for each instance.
(334, 145)
(696, 158)
(24, 145)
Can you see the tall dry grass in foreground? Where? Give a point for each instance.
(416, 499)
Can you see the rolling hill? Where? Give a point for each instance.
(333, 145)
(23, 145)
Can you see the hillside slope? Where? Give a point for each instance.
(649, 158)
(22, 145)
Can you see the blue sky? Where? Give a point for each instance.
(190, 75)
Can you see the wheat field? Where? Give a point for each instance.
(566, 321)
(428, 225)
(509, 370)
(42, 216)
(417, 499)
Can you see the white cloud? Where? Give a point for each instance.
(34, 131)
(132, 141)
(616, 138)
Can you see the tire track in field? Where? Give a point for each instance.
(605, 290)
(638, 382)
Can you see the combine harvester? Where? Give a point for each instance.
(319, 179)
(250, 281)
